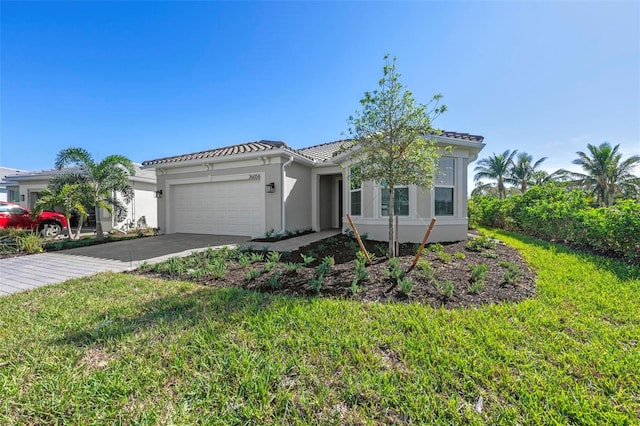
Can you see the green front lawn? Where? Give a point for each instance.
(127, 349)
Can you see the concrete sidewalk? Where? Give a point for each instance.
(295, 243)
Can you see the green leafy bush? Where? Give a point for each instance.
(553, 213)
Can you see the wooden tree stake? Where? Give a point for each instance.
(355, 231)
(424, 241)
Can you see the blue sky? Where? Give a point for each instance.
(153, 79)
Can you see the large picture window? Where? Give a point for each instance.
(401, 201)
(444, 187)
(355, 194)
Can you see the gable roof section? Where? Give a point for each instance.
(326, 151)
(242, 148)
(317, 153)
(141, 174)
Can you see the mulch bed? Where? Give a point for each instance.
(378, 287)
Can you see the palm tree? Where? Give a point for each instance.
(607, 175)
(523, 171)
(105, 179)
(69, 198)
(495, 167)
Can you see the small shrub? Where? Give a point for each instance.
(381, 249)
(512, 275)
(445, 288)
(321, 248)
(481, 242)
(326, 265)
(360, 271)
(274, 257)
(316, 283)
(268, 266)
(292, 266)
(307, 260)
(256, 257)
(394, 272)
(436, 248)
(30, 243)
(329, 261)
(444, 257)
(270, 233)
(459, 255)
(475, 287)
(354, 286)
(352, 245)
(406, 285)
(197, 273)
(489, 254)
(244, 260)
(274, 281)
(252, 274)
(478, 272)
(217, 268)
(425, 269)
(332, 240)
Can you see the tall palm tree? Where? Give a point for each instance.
(105, 178)
(606, 173)
(523, 171)
(495, 167)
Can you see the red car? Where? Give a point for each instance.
(49, 224)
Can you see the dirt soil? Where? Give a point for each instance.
(378, 286)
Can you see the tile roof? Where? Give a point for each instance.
(325, 151)
(463, 136)
(220, 152)
(319, 153)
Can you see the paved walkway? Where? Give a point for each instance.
(27, 272)
(292, 244)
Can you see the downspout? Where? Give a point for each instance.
(283, 202)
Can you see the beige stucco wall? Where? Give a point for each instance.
(297, 196)
(268, 168)
(421, 209)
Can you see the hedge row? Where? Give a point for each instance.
(552, 213)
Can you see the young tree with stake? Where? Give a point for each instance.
(392, 134)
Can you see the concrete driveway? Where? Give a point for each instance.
(27, 272)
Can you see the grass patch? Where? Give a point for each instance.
(120, 348)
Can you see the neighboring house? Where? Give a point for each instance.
(7, 194)
(25, 188)
(255, 187)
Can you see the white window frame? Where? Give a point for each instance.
(351, 192)
(410, 200)
(444, 183)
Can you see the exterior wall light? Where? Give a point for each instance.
(21, 197)
(270, 188)
(159, 193)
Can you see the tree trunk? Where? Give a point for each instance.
(80, 220)
(99, 233)
(69, 234)
(392, 251)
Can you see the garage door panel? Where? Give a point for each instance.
(230, 207)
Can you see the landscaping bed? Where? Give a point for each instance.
(451, 275)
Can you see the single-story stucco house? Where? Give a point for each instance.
(4, 191)
(252, 188)
(24, 188)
